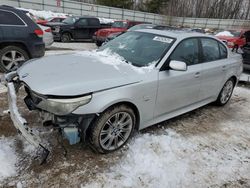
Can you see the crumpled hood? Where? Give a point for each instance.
(77, 74)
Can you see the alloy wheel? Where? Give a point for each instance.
(116, 131)
(227, 91)
(12, 59)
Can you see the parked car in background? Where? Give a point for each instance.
(246, 57)
(20, 38)
(117, 27)
(50, 20)
(137, 80)
(134, 28)
(234, 39)
(75, 28)
(47, 36)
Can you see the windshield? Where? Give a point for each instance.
(70, 20)
(138, 48)
(141, 26)
(235, 33)
(120, 24)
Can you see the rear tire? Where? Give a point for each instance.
(98, 43)
(65, 37)
(226, 92)
(12, 57)
(112, 129)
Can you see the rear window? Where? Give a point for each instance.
(9, 18)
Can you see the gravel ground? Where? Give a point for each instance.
(208, 147)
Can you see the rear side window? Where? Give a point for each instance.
(211, 50)
(94, 22)
(187, 51)
(82, 22)
(9, 18)
(223, 51)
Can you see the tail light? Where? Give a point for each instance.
(48, 30)
(39, 32)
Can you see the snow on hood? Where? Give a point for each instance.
(224, 33)
(8, 158)
(80, 73)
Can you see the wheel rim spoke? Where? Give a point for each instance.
(5, 58)
(10, 65)
(13, 54)
(111, 139)
(122, 137)
(105, 139)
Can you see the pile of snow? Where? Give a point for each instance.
(8, 158)
(169, 159)
(224, 33)
(43, 14)
(106, 20)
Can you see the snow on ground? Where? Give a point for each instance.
(224, 33)
(172, 160)
(8, 158)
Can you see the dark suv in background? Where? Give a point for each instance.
(75, 28)
(20, 38)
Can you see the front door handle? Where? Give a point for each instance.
(197, 74)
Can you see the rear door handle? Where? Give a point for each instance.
(197, 74)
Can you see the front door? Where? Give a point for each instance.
(180, 89)
(81, 29)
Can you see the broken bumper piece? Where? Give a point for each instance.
(21, 124)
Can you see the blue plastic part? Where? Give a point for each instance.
(72, 134)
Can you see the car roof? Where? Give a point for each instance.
(78, 17)
(178, 34)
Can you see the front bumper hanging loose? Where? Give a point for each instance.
(19, 122)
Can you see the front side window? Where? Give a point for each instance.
(210, 49)
(187, 51)
(138, 48)
(9, 18)
(120, 24)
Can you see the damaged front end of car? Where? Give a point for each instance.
(55, 111)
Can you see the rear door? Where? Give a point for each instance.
(215, 65)
(180, 89)
(81, 29)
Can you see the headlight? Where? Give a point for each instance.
(63, 106)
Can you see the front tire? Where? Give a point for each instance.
(12, 57)
(112, 129)
(226, 93)
(66, 37)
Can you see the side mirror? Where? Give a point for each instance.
(178, 65)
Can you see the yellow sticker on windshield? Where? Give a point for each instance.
(163, 39)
